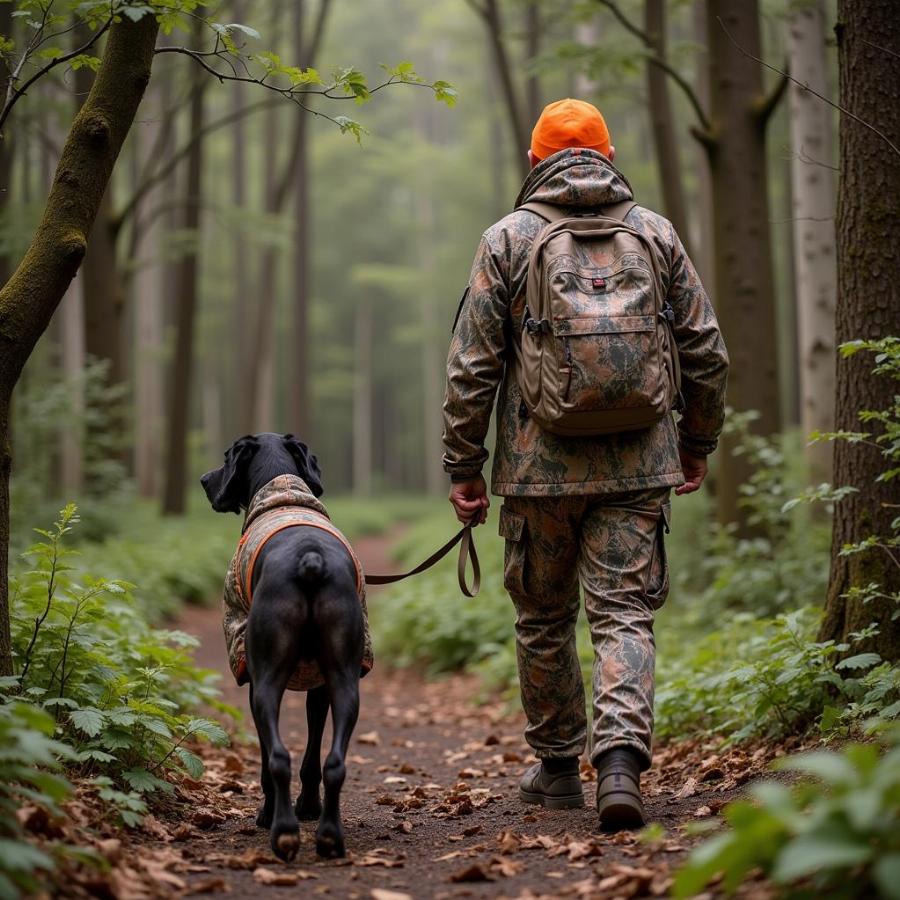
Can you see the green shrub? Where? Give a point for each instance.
(29, 773)
(834, 833)
(121, 694)
(770, 677)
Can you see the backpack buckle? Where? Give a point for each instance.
(668, 313)
(534, 326)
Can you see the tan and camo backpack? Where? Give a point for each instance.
(596, 353)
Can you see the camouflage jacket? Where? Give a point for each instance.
(284, 502)
(527, 460)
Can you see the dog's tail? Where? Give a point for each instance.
(311, 568)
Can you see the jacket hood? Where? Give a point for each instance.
(575, 178)
(285, 490)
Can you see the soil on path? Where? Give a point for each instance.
(430, 803)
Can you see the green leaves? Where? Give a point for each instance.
(838, 825)
(88, 720)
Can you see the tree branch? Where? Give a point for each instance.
(768, 104)
(654, 58)
(172, 163)
(806, 87)
(19, 92)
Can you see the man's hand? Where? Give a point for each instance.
(695, 469)
(470, 500)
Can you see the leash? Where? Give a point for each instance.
(466, 552)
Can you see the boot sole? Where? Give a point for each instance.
(570, 801)
(621, 812)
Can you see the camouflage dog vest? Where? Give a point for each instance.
(284, 502)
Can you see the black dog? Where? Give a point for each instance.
(305, 607)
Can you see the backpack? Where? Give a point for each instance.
(596, 352)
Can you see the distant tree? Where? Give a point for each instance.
(868, 300)
(520, 110)
(812, 208)
(187, 290)
(666, 142)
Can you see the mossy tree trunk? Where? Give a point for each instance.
(868, 297)
(31, 295)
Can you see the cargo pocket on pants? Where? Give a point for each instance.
(658, 579)
(513, 529)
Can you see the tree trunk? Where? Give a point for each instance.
(6, 150)
(263, 376)
(187, 289)
(243, 300)
(72, 359)
(532, 49)
(702, 235)
(148, 299)
(363, 397)
(812, 190)
(868, 297)
(299, 413)
(30, 297)
(500, 55)
(744, 280)
(662, 122)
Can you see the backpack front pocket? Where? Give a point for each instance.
(608, 363)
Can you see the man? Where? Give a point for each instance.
(588, 509)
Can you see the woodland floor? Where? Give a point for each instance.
(430, 806)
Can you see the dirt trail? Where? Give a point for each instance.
(430, 805)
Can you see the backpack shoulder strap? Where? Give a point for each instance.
(545, 210)
(619, 210)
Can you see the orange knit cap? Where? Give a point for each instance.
(569, 123)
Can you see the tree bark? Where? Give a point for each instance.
(812, 189)
(30, 297)
(186, 293)
(744, 279)
(868, 297)
(662, 122)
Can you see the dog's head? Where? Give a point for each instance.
(254, 460)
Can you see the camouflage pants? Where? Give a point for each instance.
(613, 545)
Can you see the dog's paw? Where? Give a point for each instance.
(286, 844)
(330, 842)
(264, 816)
(308, 807)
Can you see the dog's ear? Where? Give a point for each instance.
(227, 487)
(307, 464)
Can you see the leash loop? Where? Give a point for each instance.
(466, 553)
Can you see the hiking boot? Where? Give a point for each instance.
(553, 783)
(619, 804)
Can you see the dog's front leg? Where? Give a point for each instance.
(343, 688)
(309, 806)
(266, 702)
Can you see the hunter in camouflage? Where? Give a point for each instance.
(284, 502)
(579, 509)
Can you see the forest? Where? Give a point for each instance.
(220, 218)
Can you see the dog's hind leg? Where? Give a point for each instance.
(267, 693)
(343, 689)
(309, 806)
(264, 815)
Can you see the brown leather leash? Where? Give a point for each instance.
(466, 552)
